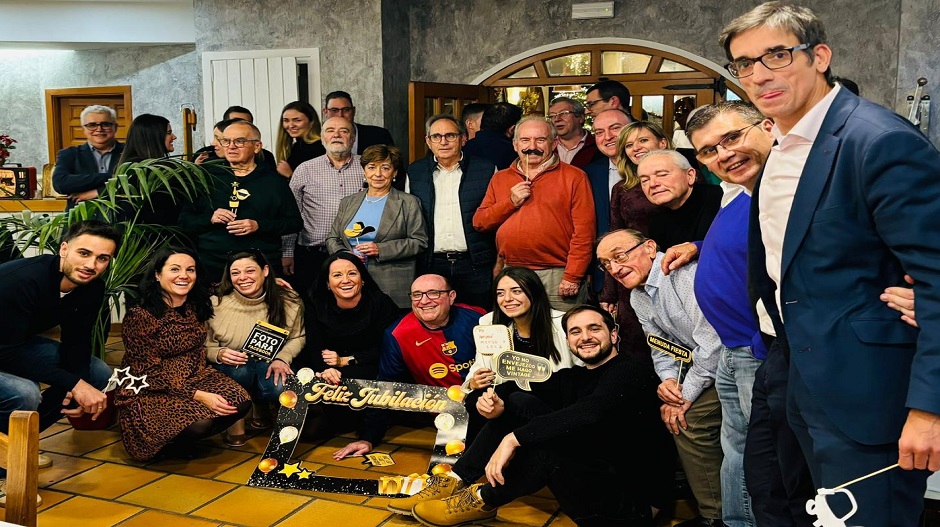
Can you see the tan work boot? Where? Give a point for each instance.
(437, 487)
(463, 507)
(3, 494)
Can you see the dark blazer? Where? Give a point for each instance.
(76, 170)
(598, 173)
(494, 146)
(401, 238)
(864, 214)
(371, 135)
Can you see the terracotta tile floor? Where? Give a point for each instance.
(94, 483)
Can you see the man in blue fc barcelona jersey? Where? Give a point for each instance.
(432, 345)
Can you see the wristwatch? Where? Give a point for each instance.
(351, 360)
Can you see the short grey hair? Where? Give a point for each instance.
(576, 106)
(540, 118)
(461, 128)
(99, 108)
(677, 158)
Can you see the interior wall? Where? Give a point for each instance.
(396, 63)
(348, 34)
(161, 78)
(919, 41)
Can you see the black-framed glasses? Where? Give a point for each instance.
(553, 116)
(731, 140)
(590, 104)
(450, 136)
(344, 109)
(105, 125)
(772, 60)
(433, 294)
(619, 258)
(239, 142)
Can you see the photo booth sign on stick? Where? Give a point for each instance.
(491, 339)
(265, 341)
(522, 368)
(677, 351)
(277, 470)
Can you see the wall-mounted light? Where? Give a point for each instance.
(592, 10)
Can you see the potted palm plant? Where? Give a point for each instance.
(132, 186)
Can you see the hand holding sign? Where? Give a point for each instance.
(491, 339)
(522, 368)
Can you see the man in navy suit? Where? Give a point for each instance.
(81, 171)
(846, 205)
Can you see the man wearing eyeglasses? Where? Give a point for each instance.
(431, 345)
(575, 145)
(249, 205)
(81, 171)
(451, 185)
(607, 95)
(733, 139)
(847, 204)
(339, 104)
(685, 351)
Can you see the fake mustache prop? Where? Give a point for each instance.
(533, 151)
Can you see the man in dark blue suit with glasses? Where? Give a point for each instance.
(81, 171)
(846, 206)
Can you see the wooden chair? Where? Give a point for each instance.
(19, 454)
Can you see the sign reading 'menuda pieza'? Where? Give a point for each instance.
(265, 341)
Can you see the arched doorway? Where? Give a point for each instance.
(657, 76)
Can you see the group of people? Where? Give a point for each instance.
(755, 322)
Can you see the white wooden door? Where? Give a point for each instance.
(262, 81)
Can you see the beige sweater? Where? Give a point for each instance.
(234, 317)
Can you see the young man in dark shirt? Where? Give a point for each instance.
(527, 442)
(40, 293)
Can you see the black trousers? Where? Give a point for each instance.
(775, 470)
(473, 284)
(590, 495)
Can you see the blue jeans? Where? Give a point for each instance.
(17, 393)
(251, 377)
(734, 381)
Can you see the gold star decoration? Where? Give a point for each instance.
(290, 469)
(304, 474)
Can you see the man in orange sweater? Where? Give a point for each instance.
(543, 213)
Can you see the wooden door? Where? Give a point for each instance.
(426, 99)
(64, 108)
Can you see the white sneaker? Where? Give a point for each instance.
(3, 494)
(44, 461)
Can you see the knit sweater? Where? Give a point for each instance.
(554, 227)
(235, 316)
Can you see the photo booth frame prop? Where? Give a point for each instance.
(275, 470)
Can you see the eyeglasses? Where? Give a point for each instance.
(450, 136)
(104, 126)
(239, 142)
(433, 294)
(344, 109)
(552, 116)
(620, 258)
(731, 140)
(773, 60)
(590, 104)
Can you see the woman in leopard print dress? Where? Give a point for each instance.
(175, 397)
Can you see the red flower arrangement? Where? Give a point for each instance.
(6, 144)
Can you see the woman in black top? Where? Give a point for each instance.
(298, 138)
(345, 320)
